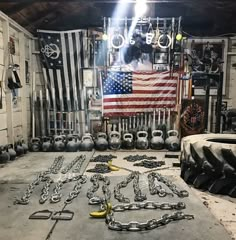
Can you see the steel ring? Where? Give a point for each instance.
(119, 46)
(159, 41)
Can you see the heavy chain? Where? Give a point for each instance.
(57, 165)
(148, 225)
(103, 158)
(100, 168)
(68, 167)
(105, 188)
(139, 196)
(157, 189)
(149, 205)
(76, 190)
(57, 195)
(150, 164)
(45, 191)
(134, 158)
(54, 168)
(78, 166)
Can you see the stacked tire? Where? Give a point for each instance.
(208, 161)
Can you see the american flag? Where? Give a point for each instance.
(62, 56)
(127, 93)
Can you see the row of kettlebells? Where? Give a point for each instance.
(172, 142)
(10, 152)
(59, 143)
(72, 143)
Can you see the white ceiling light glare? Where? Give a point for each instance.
(140, 8)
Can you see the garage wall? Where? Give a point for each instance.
(231, 74)
(15, 116)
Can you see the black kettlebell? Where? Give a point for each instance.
(59, 143)
(46, 144)
(19, 148)
(76, 136)
(4, 155)
(9, 148)
(24, 145)
(128, 141)
(35, 144)
(71, 145)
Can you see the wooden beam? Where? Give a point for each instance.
(23, 89)
(9, 108)
(17, 7)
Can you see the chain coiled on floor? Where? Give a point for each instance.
(148, 225)
(139, 196)
(150, 164)
(158, 189)
(54, 169)
(105, 188)
(76, 190)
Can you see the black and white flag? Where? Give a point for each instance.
(63, 54)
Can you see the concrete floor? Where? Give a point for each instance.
(14, 222)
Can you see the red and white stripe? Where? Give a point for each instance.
(151, 90)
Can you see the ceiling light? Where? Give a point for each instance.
(140, 8)
(104, 37)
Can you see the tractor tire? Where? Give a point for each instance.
(208, 161)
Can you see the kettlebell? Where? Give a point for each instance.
(35, 144)
(157, 141)
(101, 142)
(4, 155)
(77, 141)
(128, 141)
(71, 144)
(142, 141)
(172, 141)
(11, 151)
(114, 140)
(59, 143)
(87, 143)
(19, 148)
(25, 146)
(46, 144)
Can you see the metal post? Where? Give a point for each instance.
(219, 102)
(206, 108)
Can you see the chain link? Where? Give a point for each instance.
(57, 195)
(76, 190)
(105, 188)
(157, 188)
(148, 225)
(54, 168)
(150, 164)
(139, 196)
(149, 205)
(134, 158)
(68, 167)
(45, 191)
(100, 168)
(102, 158)
(78, 166)
(57, 165)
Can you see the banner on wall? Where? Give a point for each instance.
(63, 54)
(127, 93)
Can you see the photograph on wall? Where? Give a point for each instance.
(208, 56)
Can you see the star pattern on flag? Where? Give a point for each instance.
(117, 83)
(48, 43)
